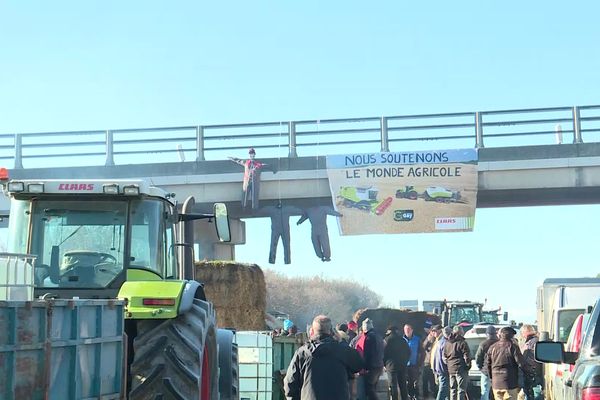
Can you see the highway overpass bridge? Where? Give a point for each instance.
(537, 156)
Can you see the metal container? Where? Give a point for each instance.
(62, 349)
(16, 276)
(255, 355)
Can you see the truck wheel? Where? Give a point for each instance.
(228, 366)
(177, 358)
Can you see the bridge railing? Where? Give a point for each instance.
(303, 138)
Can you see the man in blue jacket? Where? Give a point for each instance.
(415, 362)
(438, 364)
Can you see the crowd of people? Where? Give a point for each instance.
(346, 362)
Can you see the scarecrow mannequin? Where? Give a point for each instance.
(280, 227)
(251, 184)
(319, 233)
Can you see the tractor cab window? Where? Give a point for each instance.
(466, 314)
(79, 244)
(152, 238)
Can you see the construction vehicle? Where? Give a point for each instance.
(125, 239)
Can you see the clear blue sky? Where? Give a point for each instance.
(72, 65)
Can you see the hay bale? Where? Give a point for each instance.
(238, 292)
(384, 317)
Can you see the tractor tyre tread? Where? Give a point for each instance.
(168, 356)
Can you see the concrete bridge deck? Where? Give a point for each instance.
(508, 176)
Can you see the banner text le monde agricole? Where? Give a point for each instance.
(409, 192)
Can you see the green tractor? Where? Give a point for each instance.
(126, 239)
(408, 192)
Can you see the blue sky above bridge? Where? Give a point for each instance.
(110, 64)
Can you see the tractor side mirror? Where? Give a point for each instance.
(505, 316)
(222, 222)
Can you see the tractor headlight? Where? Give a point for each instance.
(110, 189)
(35, 188)
(15, 186)
(131, 190)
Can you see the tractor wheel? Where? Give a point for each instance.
(177, 358)
(229, 383)
(413, 195)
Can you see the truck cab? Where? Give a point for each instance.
(583, 382)
(559, 302)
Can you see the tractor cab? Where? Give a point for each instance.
(92, 236)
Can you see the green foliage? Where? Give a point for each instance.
(303, 298)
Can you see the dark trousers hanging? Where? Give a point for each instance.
(285, 239)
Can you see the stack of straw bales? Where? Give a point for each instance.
(238, 292)
(384, 317)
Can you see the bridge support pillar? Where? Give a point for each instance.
(206, 242)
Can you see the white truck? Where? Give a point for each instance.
(559, 302)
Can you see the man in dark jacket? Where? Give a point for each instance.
(533, 373)
(320, 368)
(485, 381)
(503, 361)
(373, 356)
(458, 360)
(396, 354)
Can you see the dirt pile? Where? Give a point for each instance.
(384, 317)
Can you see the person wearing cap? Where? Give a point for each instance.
(372, 352)
(485, 380)
(415, 362)
(251, 181)
(438, 364)
(427, 377)
(320, 368)
(396, 354)
(458, 358)
(502, 361)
